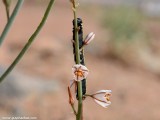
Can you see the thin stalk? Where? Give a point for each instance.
(74, 110)
(87, 95)
(7, 4)
(79, 112)
(7, 13)
(31, 39)
(76, 39)
(10, 21)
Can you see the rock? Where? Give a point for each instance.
(20, 85)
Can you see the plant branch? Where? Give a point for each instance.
(7, 4)
(10, 21)
(79, 112)
(31, 39)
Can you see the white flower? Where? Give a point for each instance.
(89, 38)
(80, 72)
(102, 97)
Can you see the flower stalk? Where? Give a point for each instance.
(77, 54)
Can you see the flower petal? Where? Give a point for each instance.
(103, 104)
(104, 91)
(102, 97)
(80, 72)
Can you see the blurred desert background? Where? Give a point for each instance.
(123, 57)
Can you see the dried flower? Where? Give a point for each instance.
(89, 38)
(80, 72)
(102, 97)
(73, 82)
(71, 99)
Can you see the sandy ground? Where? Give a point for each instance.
(135, 91)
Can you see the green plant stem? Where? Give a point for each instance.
(87, 95)
(76, 39)
(74, 109)
(10, 21)
(7, 13)
(7, 4)
(31, 39)
(79, 112)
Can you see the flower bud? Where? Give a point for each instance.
(89, 38)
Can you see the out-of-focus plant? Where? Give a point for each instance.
(125, 28)
(123, 22)
(27, 45)
(132, 38)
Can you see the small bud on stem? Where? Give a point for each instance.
(89, 38)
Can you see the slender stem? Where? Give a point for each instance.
(74, 110)
(79, 112)
(87, 95)
(7, 4)
(76, 39)
(31, 39)
(92, 96)
(7, 13)
(10, 21)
